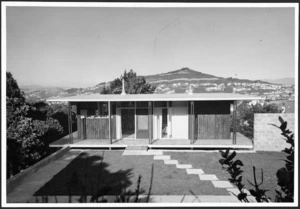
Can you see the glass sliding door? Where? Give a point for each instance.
(142, 126)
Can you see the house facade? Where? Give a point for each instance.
(191, 117)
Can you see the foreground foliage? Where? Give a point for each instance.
(31, 127)
(285, 175)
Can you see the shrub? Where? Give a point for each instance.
(285, 175)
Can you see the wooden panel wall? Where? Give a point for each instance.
(213, 127)
(97, 128)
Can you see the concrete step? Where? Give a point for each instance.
(222, 184)
(210, 177)
(194, 171)
(141, 152)
(154, 152)
(137, 147)
(171, 162)
(184, 166)
(161, 157)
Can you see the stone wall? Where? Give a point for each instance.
(268, 137)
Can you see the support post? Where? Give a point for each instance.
(192, 123)
(135, 121)
(109, 122)
(70, 123)
(150, 123)
(234, 122)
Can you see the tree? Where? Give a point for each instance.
(22, 137)
(133, 85)
(245, 116)
(15, 101)
(29, 130)
(60, 113)
(23, 145)
(12, 88)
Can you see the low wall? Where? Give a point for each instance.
(268, 137)
(17, 179)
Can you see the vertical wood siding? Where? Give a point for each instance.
(97, 128)
(213, 127)
(94, 128)
(81, 130)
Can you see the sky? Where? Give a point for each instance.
(81, 47)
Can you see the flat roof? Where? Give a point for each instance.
(155, 97)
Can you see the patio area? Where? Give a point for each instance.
(242, 142)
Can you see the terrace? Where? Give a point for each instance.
(242, 142)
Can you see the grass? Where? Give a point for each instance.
(270, 162)
(94, 170)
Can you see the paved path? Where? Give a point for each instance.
(143, 199)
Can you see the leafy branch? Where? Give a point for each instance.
(285, 175)
(234, 169)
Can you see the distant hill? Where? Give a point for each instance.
(177, 81)
(38, 92)
(192, 76)
(285, 81)
(31, 88)
(183, 74)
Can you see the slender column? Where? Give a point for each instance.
(150, 121)
(234, 122)
(70, 123)
(109, 122)
(135, 121)
(192, 123)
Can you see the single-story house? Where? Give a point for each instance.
(189, 117)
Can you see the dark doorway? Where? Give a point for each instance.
(127, 120)
(164, 123)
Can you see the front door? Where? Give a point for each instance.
(127, 120)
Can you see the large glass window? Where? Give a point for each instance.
(125, 104)
(142, 123)
(142, 104)
(160, 104)
(93, 109)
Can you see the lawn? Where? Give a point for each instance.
(96, 173)
(270, 162)
(108, 172)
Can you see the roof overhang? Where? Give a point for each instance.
(156, 97)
